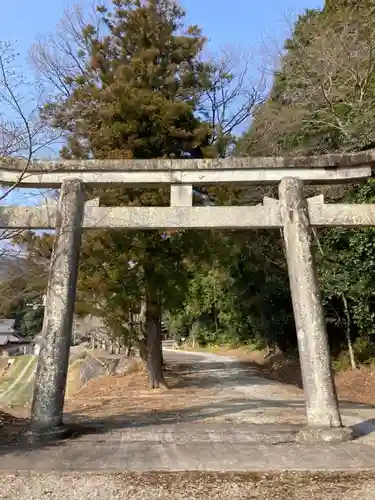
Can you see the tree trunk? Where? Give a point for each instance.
(142, 345)
(112, 347)
(153, 335)
(348, 333)
(154, 347)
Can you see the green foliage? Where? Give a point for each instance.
(28, 316)
(322, 100)
(347, 269)
(242, 299)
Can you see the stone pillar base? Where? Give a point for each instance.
(324, 434)
(45, 436)
(49, 435)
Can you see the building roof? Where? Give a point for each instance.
(6, 325)
(7, 333)
(12, 339)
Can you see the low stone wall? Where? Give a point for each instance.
(81, 371)
(127, 366)
(88, 367)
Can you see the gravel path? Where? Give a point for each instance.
(242, 395)
(186, 486)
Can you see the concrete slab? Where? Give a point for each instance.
(142, 456)
(186, 433)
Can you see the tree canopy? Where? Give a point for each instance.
(322, 101)
(134, 83)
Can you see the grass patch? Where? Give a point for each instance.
(22, 392)
(10, 375)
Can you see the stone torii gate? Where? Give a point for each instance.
(292, 212)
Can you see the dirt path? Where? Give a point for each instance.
(210, 421)
(205, 388)
(352, 385)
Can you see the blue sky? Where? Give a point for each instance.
(241, 24)
(235, 22)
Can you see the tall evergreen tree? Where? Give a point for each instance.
(136, 97)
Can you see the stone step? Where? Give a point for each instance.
(182, 433)
(143, 456)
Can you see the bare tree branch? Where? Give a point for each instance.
(61, 57)
(234, 93)
(323, 96)
(22, 132)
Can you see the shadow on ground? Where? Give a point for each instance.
(190, 375)
(78, 425)
(237, 374)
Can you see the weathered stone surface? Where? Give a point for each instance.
(48, 400)
(336, 160)
(187, 174)
(348, 215)
(127, 366)
(183, 217)
(181, 195)
(320, 393)
(329, 435)
(45, 436)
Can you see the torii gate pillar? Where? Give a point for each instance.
(323, 415)
(53, 361)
